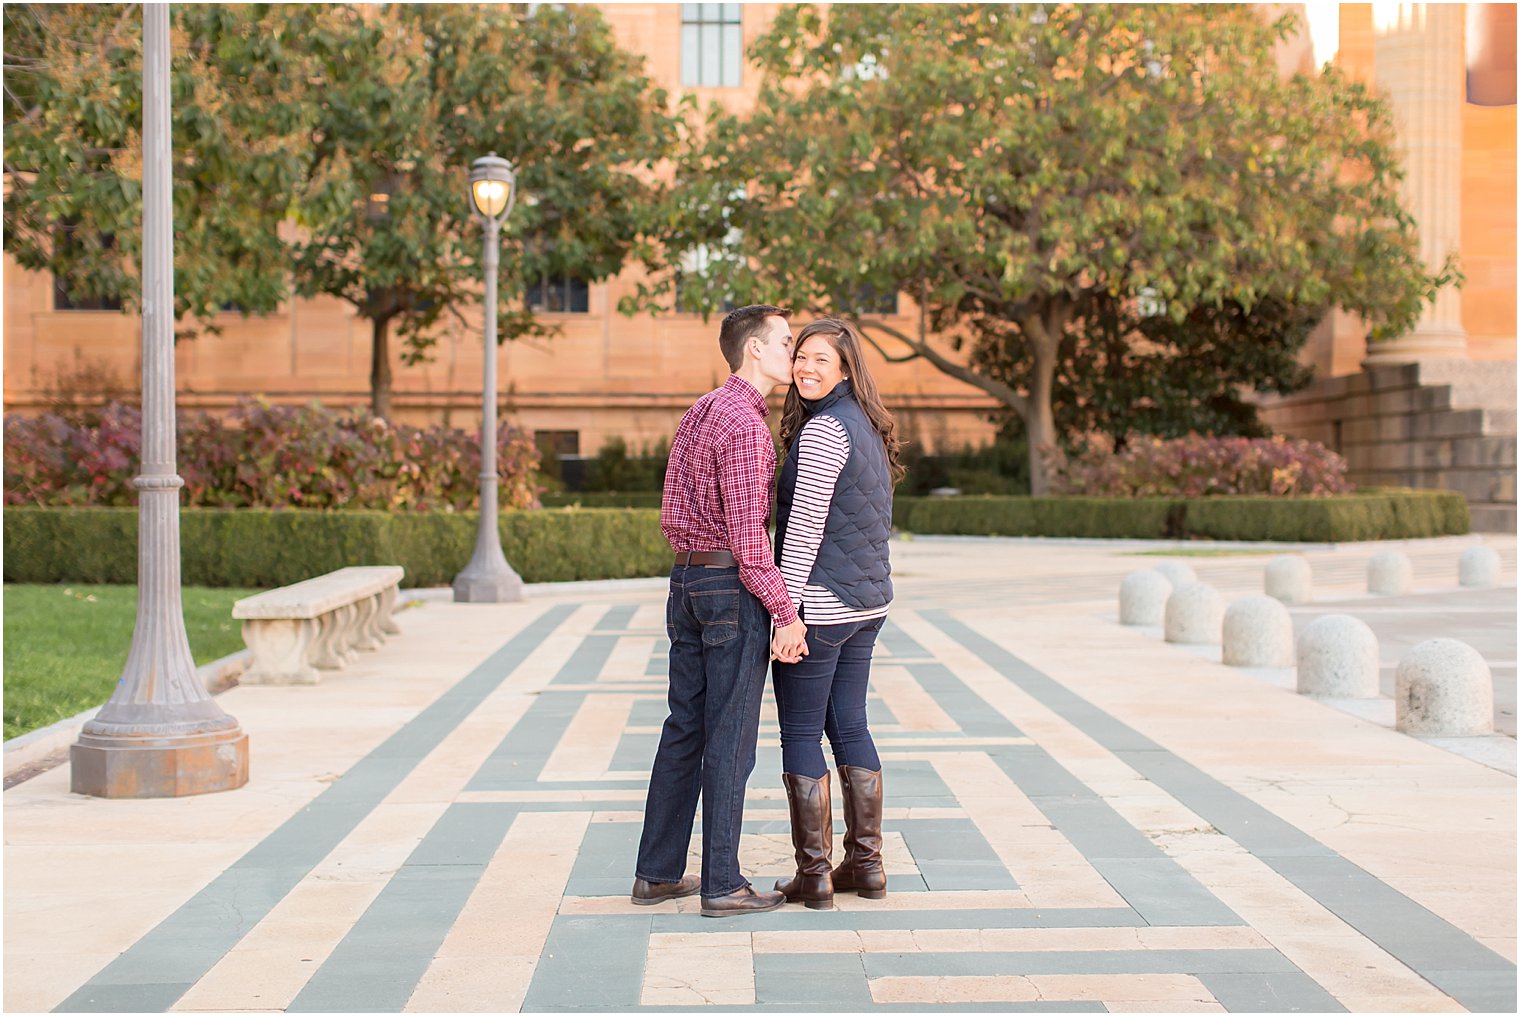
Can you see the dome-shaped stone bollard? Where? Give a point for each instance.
(1289, 579)
(1478, 568)
(1444, 688)
(1389, 573)
(1258, 633)
(1193, 615)
(1177, 573)
(1142, 597)
(1338, 658)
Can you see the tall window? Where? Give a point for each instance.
(866, 299)
(559, 294)
(699, 262)
(712, 45)
(68, 239)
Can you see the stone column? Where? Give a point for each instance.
(160, 734)
(1419, 67)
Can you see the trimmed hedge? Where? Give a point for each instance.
(1101, 517)
(1369, 515)
(262, 548)
(603, 499)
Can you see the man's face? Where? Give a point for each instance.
(776, 351)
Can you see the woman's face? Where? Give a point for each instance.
(816, 368)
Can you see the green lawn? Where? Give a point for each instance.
(65, 646)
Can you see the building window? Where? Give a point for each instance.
(563, 294)
(70, 245)
(866, 301)
(699, 262)
(712, 45)
(555, 444)
(1491, 54)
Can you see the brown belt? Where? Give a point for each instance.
(706, 558)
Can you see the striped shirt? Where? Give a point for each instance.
(823, 446)
(718, 488)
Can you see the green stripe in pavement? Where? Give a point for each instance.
(161, 966)
(1470, 972)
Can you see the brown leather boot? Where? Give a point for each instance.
(861, 869)
(813, 836)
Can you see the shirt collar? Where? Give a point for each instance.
(741, 388)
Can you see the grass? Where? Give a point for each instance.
(65, 646)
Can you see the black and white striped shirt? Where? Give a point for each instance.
(823, 447)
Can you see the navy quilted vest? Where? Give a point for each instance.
(853, 560)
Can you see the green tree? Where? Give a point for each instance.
(411, 94)
(1084, 192)
(73, 149)
(350, 126)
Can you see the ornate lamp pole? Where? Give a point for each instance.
(488, 578)
(160, 734)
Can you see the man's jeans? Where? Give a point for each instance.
(720, 637)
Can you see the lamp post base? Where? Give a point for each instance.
(494, 585)
(128, 767)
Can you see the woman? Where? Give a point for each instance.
(833, 520)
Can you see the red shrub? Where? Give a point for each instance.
(266, 456)
(1197, 466)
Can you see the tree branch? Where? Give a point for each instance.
(1003, 393)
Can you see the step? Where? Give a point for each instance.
(1492, 518)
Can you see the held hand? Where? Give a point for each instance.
(789, 644)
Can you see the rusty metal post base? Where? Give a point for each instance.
(105, 766)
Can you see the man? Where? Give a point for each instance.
(726, 594)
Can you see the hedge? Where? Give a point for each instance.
(1106, 517)
(603, 499)
(1369, 515)
(262, 548)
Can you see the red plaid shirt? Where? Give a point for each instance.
(719, 488)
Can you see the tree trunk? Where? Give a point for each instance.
(1044, 332)
(1040, 422)
(380, 366)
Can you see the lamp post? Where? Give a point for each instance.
(160, 734)
(488, 578)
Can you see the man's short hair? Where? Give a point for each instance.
(739, 325)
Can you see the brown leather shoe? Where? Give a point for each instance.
(813, 839)
(647, 894)
(861, 870)
(741, 901)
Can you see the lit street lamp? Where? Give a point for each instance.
(488, 578)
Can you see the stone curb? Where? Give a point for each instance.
(33, 746)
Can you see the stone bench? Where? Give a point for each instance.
(296, 630)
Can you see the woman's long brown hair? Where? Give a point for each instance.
(845, 339)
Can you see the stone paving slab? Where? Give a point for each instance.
(1079, 818)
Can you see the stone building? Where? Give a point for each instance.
(1435, 407)
(1447, 420)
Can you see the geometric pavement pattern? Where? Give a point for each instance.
(1014, 886)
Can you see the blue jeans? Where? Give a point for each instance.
(720, 636)
(825, 693)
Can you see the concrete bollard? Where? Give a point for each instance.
(1444, 688)
(1289, 579)
(1192, 616)
(1177, 573)
(1389, 573)
(1478, 568)
(1142, 597)
(1338, 658)
(1258, 633)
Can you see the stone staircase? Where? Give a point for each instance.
(1446, 424)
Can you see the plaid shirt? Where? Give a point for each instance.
(719, 488)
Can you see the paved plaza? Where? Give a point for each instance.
(1079, 817)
